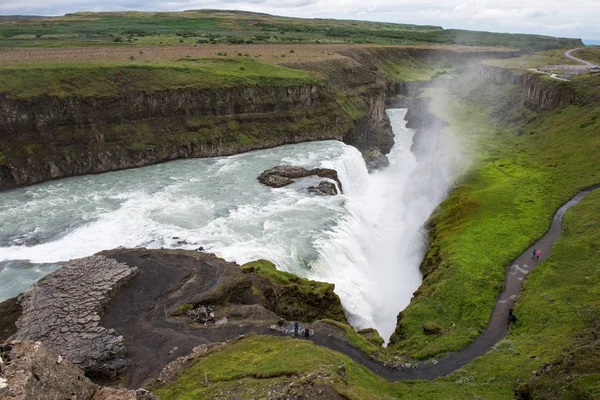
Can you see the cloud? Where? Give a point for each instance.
(577, 18)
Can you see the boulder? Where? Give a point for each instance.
(283, 175)
(34, 373)
(375, 159)
(431, 328)
(324, 188)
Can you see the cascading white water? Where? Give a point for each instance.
(371, 255)
(368, 242)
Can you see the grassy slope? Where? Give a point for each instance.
(591, 54)
(559, 314)
(296, 298)
(522, 172)
(535, 60)
(110, 79)
(206, 26)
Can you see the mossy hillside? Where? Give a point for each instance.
(295, 298)
(258, 362)
(558, 311)
(372, 336)
(112, 79)
(367, 340)
(522, 171)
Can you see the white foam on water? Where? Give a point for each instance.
(368, 241)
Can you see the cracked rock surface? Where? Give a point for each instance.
(34, 373)
(63, 312)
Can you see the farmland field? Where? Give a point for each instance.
(238, 27)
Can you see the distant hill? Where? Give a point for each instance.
(217, 26)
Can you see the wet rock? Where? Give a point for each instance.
(62, 311)
(324, 188)
(375, 159)
(283, 175)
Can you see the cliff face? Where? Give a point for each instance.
(49, 137)
(541, 91)
(366, 89)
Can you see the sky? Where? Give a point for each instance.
(573, 18)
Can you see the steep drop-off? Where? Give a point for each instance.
(54, 136)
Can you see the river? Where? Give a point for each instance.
(368, 241)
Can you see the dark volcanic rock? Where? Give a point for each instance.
(323, 189)
(283, 175)
(375, 160)
(62, 311)
(10, 311)
(275, 181)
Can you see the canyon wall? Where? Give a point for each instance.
(49, 137)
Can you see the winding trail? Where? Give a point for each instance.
(569, 54)
(496, 328)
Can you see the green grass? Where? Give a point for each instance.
(258, 362)
(110, 79)
(591, 79)
(296, 298)
(559, 314)
(522, 171)
(214, 26)
(591, 54)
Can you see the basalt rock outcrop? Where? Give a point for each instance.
(540, 91)
(63, 311)
(131, 312)
(49, 137)
(283, 175)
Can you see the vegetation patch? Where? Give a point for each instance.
(112, 79)
(293, 297)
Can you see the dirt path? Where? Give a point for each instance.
(497, 325)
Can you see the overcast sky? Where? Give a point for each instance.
(567, 18)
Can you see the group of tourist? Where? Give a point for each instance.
(306, 331)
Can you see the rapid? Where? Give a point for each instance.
(369, 241)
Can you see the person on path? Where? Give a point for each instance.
(511, 317)
(538, 254)
(307, 331)
(533, 253)
(296, 328)
(280, 322)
